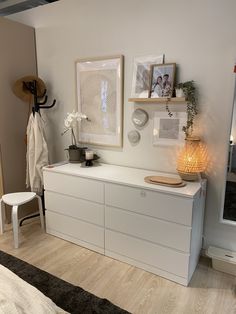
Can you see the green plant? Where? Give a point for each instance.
(170, 114)
(189, 90)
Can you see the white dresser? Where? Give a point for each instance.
(111, 210)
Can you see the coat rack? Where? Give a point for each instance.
(38, 104)
(32, 88)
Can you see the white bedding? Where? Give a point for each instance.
(17, 296)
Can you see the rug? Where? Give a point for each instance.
(67, 296)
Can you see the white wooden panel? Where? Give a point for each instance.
(125, 176)
(75, 207)
(164, 258)
(75, 228)
(148, 228)
(76, 241)
(169, 207)
(151, 269)
(197, 230)
(79, 187)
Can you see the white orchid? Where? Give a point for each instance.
(73, 117)
(71, 121)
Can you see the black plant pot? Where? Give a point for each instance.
(76, 154)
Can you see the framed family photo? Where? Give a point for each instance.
(100, 97)
(142, 73)
(162, 80)
(169, 130)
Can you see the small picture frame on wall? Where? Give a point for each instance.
(142, 73)
(167, 130)
(162, 80)
(100, 98)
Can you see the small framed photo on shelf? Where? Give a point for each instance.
(167, 130)
(162, 80)
(142, 74)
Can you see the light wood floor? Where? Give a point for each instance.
(126, 286)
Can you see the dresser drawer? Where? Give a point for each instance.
(74, 186)
(75, 207)
(75, 228)
(145, 252)
(148, 228)
(164, 206)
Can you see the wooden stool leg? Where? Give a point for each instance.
(15, 226)
(41, 212)
(2, 216)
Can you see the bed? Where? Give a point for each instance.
(61, 296)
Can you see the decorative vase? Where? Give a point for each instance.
(179, 92)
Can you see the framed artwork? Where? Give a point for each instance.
(100, 98)
(142, 74)
(168, 130)
(162, 80)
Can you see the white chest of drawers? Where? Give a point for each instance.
(110, 209)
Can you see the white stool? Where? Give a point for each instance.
(15, 200)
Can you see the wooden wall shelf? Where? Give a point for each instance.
(173, 100)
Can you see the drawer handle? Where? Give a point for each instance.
(143, 193)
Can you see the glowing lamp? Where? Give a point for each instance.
(192, 159)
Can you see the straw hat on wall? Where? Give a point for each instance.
(23, 93)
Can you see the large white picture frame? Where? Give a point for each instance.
(142, 74)
(167, 130)
(99, 84)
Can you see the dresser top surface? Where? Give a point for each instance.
(125, 175)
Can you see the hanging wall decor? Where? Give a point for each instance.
(169, 130)
(134, 136)
(141, 75)
(139, 117)
(100, 98)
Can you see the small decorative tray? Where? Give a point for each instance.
(166, 181)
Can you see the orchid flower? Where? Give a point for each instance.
(71, 121)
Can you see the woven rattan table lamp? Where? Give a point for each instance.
(192, 159)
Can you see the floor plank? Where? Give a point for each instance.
(133, 289)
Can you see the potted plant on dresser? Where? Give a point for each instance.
(75, 152)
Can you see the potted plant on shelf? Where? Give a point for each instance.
(75, 152)
(189, 92)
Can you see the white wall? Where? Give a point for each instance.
(198, 35)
